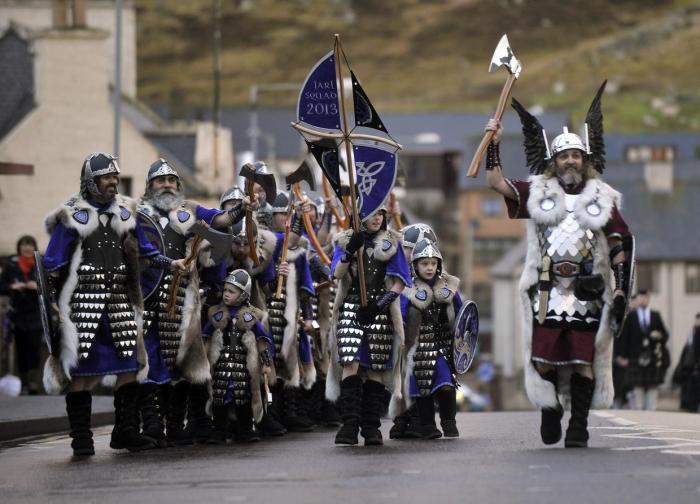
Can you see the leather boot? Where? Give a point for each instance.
(413, 428)
(426, 414)
(150, 407)
(176, 410)
(447, 405)
(581, 396)
(245, 430)
(79, 409)
(220, 414)
(199, 423)
(550, 427)
(291, 419)
(349, 404)
(126, 427)
(398, 430)
(373, 398)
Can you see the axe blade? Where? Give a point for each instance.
(503, 56)
(302, 174)
(257, 173)
(220, 242)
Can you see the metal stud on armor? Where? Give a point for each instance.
(277, 320)
(231, 368)
(435, 339)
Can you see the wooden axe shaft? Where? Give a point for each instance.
(396, 217)
(327, 191)
(177, 277)
(502, 101)
(249, 231)
(310, 231)
(285, 249)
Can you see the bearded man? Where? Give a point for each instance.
(178, 364)
(575, 235)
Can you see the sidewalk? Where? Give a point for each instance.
(34, 415)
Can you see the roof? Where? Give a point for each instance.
(16, 80)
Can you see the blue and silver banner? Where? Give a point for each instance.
(325, 152)
(375, 174)
(317, 106)
(365, 113)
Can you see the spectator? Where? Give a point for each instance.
(18, 281)
(687, 373)
(643, 342)
(623, 392)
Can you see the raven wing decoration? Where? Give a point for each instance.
(594, 131)
(536, 151)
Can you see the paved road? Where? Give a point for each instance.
(636, 457)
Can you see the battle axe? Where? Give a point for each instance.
(502, 56)
(294, 179)
(256, 173)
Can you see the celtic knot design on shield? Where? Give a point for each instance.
(366, 174)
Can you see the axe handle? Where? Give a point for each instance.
(285, 249)
(336, 214)
(177, 277)
(396, 217)
(252, 249)
(502, 101)
(310, 232)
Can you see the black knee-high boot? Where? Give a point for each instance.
(581, 396)
(372, 408)
(175, 412)
(126, 426)
(550, 427)
(350, 403)
(199, 423)
(426, 413)
(447, 405)
(151, 409)
(292, 419)
(220, 415)
(79, 409)
(245, 431)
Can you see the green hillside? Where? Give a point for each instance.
(418, 55)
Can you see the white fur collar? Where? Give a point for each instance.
(180, 219)
(421, 295)
(78, 214)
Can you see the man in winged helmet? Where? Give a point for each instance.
(576, 235)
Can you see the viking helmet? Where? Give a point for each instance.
(238, 231)
(161, 168)
(96, 165)
(264, 215)
(426, 248)
(413, 233)
(235, 193)
(565, 141)
(281, 203)
(241, 279)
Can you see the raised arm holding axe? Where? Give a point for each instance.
(256, 173)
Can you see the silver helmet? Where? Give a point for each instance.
(96, 165)
(413, 233)
(238, 231)
(426, 248)
(235, 193)
(161, 168)
(264, 215)
(565, 141)
(281, 203)
(241, 279)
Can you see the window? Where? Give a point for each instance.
(650, 153)
(647, 277)
(490, 206)
(692, 278)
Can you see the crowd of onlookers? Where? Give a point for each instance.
(641, 358)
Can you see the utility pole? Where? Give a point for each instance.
(217, 84)
(118, 76)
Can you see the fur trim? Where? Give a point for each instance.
(541, 188)
(324, 322)
(191, 356)
(253, 365)
(76, 203)
(54, 378)
(266, 243)
(541, 392)
(290, 346)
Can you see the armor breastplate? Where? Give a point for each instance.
(434, 339)
(278, 322)
(567, 243)
(102, 291)
(231, 368)
(375, 272)
(174, 243)
(167, 327)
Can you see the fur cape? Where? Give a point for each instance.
(541, 392)
(123, 222)
(249, 342)
(266, 243)
(391, 378)
(191, 357)
(401, 402)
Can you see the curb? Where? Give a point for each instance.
(13, 430)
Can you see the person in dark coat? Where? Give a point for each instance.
(687, 373)
(643, 341)
(18, 281)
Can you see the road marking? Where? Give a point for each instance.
(682, 452)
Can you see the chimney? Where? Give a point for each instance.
(60, 14)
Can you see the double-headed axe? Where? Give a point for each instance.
(256, 173)
(294, 179)
(502, 56)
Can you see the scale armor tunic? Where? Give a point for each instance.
(379, 336)
(434, 340)
(168, 328)
(567, 243)
(278, 322)
(102, 291)
(231, 368)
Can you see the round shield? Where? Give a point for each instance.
(151, 277)
(466, 336)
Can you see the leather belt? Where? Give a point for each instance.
(566, 269)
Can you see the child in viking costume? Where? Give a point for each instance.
(366, 341)
(178, 366)
(297, 291)
(239, 349)
(429, 309)
(407, 424)
(576, 235)
(92, 262)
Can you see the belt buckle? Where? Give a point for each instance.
(567, 269)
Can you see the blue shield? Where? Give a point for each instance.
(318, 104)
(375, 174)
(466, 337)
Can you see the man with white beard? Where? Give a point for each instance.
(176, 354)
